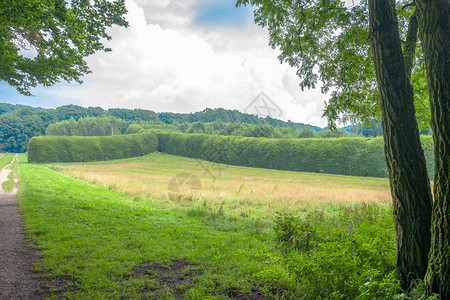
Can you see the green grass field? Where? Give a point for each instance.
(113, 240)
(9, 184)
(241, 191)
(5, 159)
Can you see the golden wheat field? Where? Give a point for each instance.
(169, 181)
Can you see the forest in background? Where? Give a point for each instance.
(19, 123)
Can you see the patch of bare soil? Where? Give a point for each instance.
(177, 277)
(54, 288)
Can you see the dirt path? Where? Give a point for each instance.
(17, 281)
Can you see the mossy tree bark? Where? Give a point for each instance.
(434, 26)
(409, 183)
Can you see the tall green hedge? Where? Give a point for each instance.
(45, 149)
(345, 156)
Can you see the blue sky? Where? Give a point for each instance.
(41, 97)
(222, 13)
(184, 56)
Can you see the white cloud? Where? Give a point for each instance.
(164, 62)
(168, 13)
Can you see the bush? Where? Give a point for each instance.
(344, 156)
(343, 256)
(46, 149)
(134, 128)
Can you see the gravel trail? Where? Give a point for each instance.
(17, 281)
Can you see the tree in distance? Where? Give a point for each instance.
(46, 41)
(366, 56)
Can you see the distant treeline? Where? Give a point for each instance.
(18, 123)
(101, 126)
(345, 156)
(88, 126)
(46, 149)
(229, 116)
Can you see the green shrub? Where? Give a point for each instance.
(338, 256)
(344, 156)
(46, 149)
(134, 128)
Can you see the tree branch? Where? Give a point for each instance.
(409, 50)
(409, 4)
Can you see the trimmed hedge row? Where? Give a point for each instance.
(46, 149)
(345, 156)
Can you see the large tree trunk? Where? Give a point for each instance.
(434, 22)
(410, 187)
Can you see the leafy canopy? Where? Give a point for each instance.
(45, 41)
(327, 41)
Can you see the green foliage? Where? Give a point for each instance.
(134, 128)
(428, 148)
(346, 255)
(294, 232)
(380, 285)
(345, 156)
(136, 115)
(349, 254)
(267, 131)
(242, 129)
(88, 126)
(221, 116)
(328, 42)
(421, 96)
(18, 126)
(60, 33)
(47, 149)
(19, 123)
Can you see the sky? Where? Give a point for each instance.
(185, 56)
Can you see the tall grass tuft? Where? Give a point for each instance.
(344, 255)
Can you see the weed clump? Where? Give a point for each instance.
(346, 255)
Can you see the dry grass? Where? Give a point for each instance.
(171, 181)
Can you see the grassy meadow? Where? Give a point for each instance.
(11, 160)
(9, 184)
(242, 191)
(5, 159)
(122, 230)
